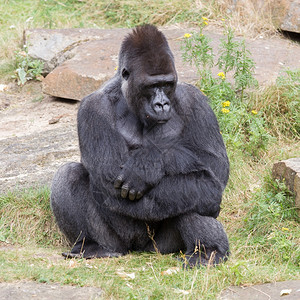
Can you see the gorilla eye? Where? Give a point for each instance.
(125, 74)
(170, 84)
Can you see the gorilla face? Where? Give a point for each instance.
(150, 97)
(148, 75)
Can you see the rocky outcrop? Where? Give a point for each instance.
(291, 20)
(289, 170)
(89, 64)
(88, 57)
(55, 46)
(33, 159)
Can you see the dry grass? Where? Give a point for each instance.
(247, 17)
(280, 105)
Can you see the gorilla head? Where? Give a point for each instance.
(148, 75)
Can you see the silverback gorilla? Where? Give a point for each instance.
(153, 163)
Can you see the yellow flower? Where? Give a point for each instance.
(205, 23)
(225, 110)
(204, 19)
(254, 112)
(222, 19)
(285, 229)
(222, 75)
(187, 35)
(226, 103)
(116, 68)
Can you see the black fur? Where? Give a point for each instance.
(153, 163)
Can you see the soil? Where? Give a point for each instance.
(37, 135)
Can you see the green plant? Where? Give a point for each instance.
(26, 217)
(280, 104)
(271, 213)
(241, 126)
(26, 68)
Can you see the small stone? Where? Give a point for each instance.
(285, 292)
(289, 170)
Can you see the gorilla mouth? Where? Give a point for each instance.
(157, 118)
(162, 121)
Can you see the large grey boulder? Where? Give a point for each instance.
(289, 171)
(287, 290)
(92, 65)
(291, 19)
(95, 61)
(55, 46)
(91, 56)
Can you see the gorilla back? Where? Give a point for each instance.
(152, 160)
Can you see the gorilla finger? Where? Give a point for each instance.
(132, 195)
(124, 191)
(139, 195)
(118, 182)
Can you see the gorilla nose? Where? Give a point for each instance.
(160, 106)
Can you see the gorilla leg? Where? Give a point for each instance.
(69, 194)
(205, 240)
(166, 238)
(71, 203)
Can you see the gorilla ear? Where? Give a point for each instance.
(125, 74)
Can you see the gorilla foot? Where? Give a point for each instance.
(89, 249)
(203, 258)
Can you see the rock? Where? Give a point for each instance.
(93, 60)
(91, 66)
(263, 291)
(33, 159)
(291, 20)
(289, 170)
(30, 290)
(55, 46)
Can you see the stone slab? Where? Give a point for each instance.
(268, 291)
(291, 20)
(93, 60)
(289, 170)
(55, 46)
(34, 290)
(92, 65)
(33, 159)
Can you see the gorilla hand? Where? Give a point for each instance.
(130, 185)
(142, 171)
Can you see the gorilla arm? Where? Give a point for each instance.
(195, 169)
(103, 150)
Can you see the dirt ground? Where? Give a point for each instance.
(37, 135)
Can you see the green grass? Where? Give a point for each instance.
(26, 218)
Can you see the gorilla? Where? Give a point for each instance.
(153, 164)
